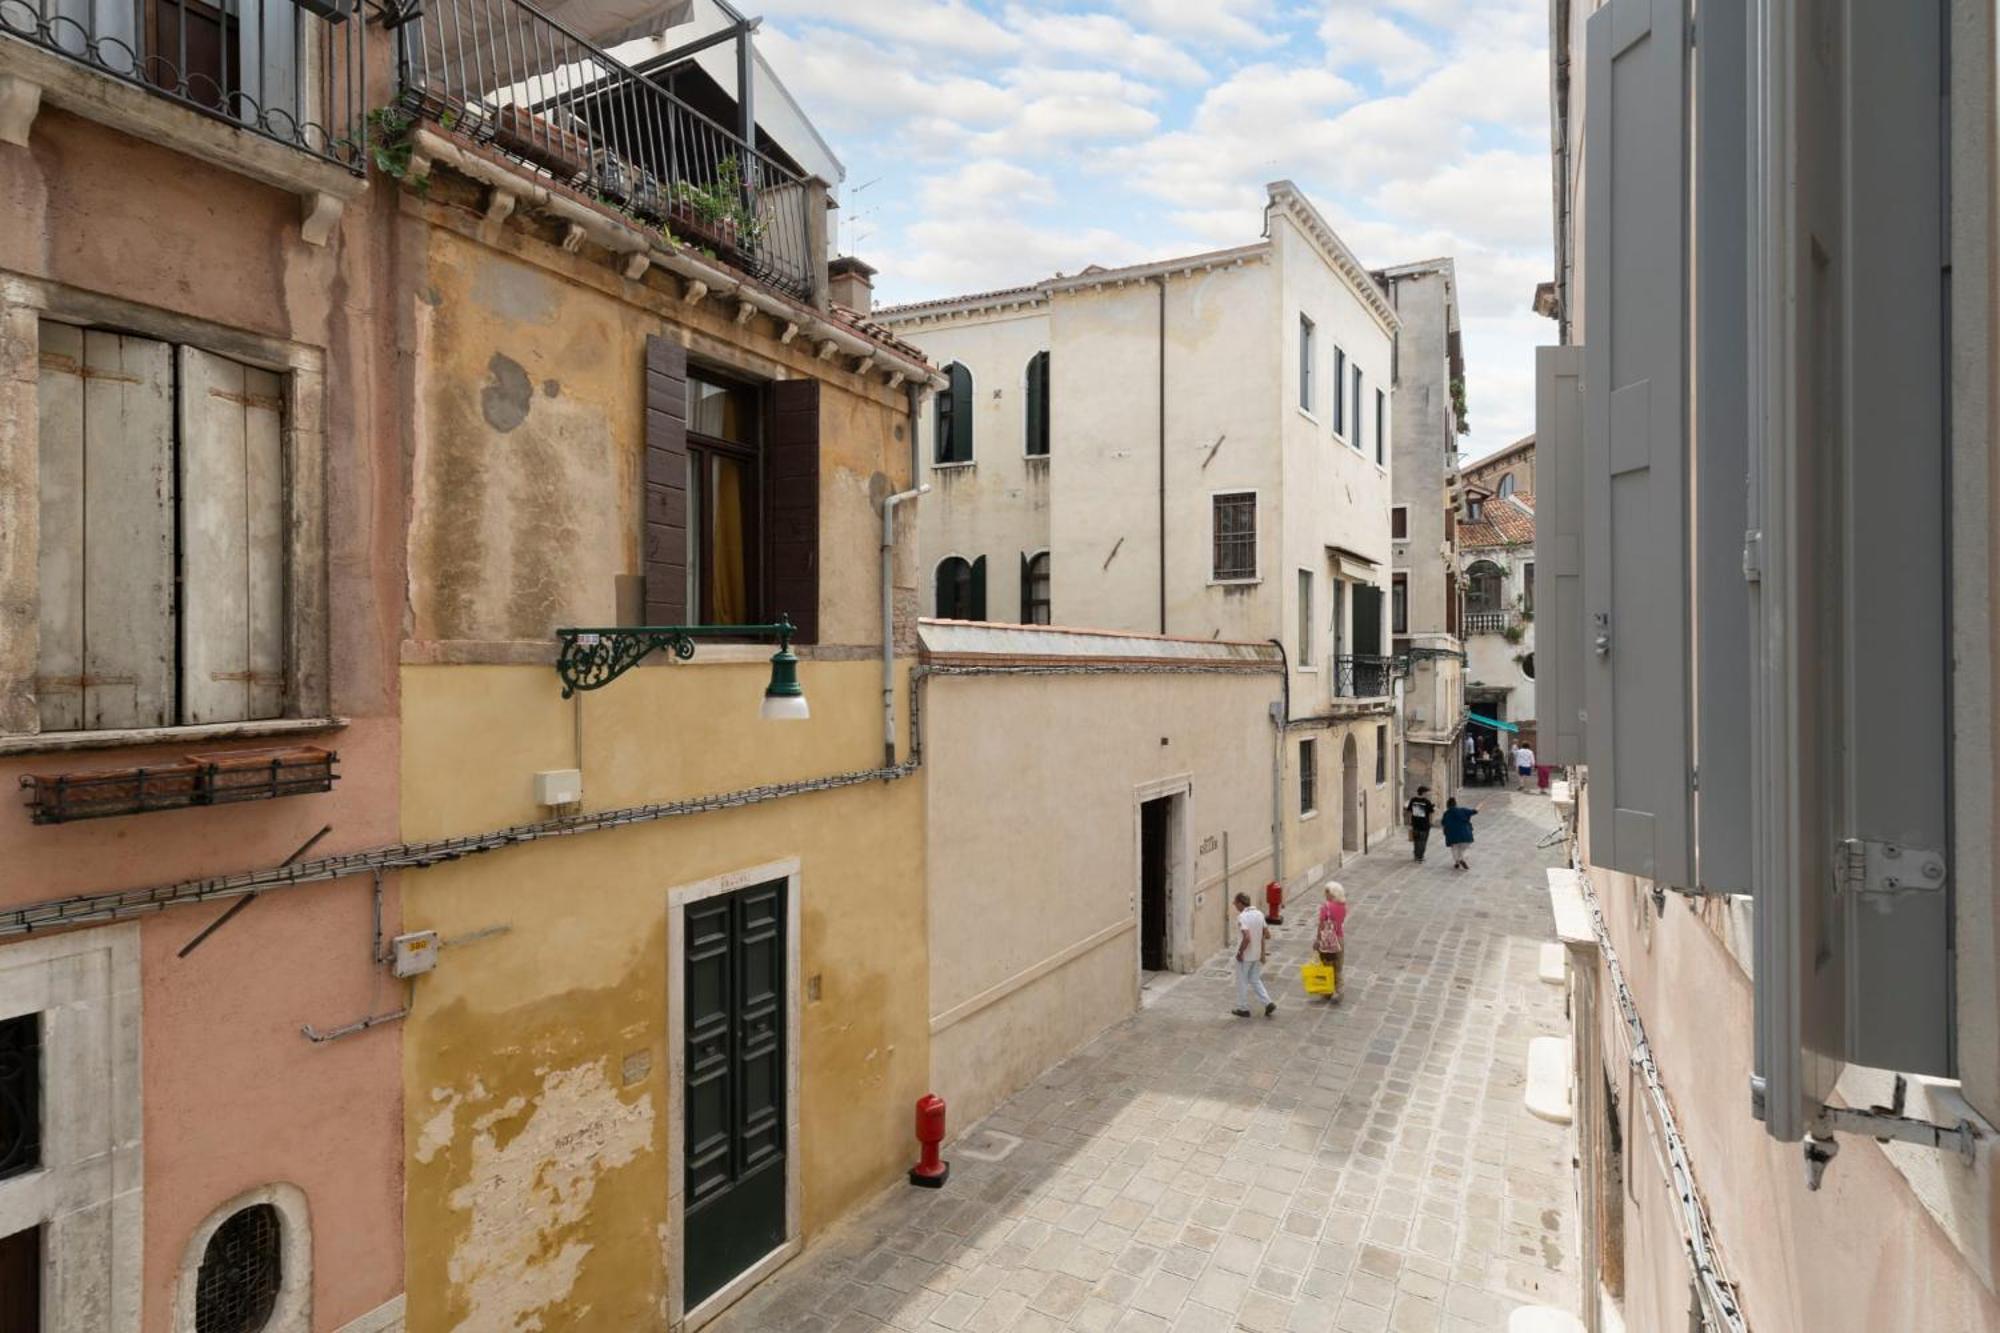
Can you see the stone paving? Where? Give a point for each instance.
(1362, 1168)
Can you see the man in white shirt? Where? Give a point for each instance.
(1524, 766)
(1252, 935)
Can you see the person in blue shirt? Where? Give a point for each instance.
(1457, 824)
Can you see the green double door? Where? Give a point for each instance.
(734, 1085)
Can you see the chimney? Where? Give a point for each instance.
(849, 282)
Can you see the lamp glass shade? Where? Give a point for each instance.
(784, 708)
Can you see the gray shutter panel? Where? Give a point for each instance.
(1559, 619)
(666, 536)
(978, 611)
(1721, 450)
(1027, 591)
(791, 477)
(1635, 501)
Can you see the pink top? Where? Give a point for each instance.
(1336, 913)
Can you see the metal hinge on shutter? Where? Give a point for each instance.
(1875, 870)
(1884, 1124)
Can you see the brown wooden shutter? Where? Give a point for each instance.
(792, 504)
(666, 483)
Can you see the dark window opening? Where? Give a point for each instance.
(21, 1281)
(1035, 589)
(1235, 536)
(951, 417)
(1506, 485)
(1399, 604)
(1381, 754)
(1483, 588)
(1381, 427)
(1308, 777)
(961, 588)
(1339, 402)
(1528, 587)
(1038, 406)
(242, 1272)
(20, 1095)
(725, 500)
(1528, 666)
(1399, 522)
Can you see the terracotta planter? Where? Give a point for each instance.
(565, 153)
(256, 775)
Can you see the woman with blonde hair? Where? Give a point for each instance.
(1330, 939)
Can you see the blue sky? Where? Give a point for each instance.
(995, 142)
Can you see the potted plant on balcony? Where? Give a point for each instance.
(719, 212)
(563, 151)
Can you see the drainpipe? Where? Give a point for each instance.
(1161, 279)
(889, 620)
(1281, 712)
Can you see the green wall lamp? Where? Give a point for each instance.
(590, 659)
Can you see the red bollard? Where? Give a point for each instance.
(930, 1171)
(1274, 903)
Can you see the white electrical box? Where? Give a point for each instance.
(415, 953)
(563, 786)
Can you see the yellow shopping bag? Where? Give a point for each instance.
(1318, 978)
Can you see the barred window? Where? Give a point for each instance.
(20, 1095)
(242, 1272)
(1236, 536)
(1308, 777)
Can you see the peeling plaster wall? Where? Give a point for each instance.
(536, 1064)
(233, 1097)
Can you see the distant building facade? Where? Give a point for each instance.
(1496, 555)
(1197, 447)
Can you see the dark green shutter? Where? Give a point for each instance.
(1038, 405)
(978, 611)
(1027, 591)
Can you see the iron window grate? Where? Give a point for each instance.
(242, 1271)
(1236, 536)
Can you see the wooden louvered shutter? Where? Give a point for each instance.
(791, 472)
(978, 609)
(1559, 618)
(106, 562)
(1635, 499)
(232, 485)
(666, 536)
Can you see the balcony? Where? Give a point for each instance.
(1491, 622)
(291, 73)
(507, 77)
(1357, 677)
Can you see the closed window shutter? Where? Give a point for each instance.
(1038, 404)
(1027, 593)
(666, 483)
(961, 414)
(791, 472)
(1721, 444)
(232, 484)
(1635, 500)
(1367, 620)
(978, 611)
(1559, 618)
(107, 531)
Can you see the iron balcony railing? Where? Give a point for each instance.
(502, 73)
(1358, 677)
(1491, 622)
(288, 70)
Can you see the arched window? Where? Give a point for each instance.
(1528, 666)
(951, 419)
(248, 1267)
(1482, 587)
(1505, 486)
(961, 588)
(1035, 589)
(1038, 406)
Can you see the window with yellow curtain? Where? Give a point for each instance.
(724, 514)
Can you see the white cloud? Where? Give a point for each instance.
(1106, 39)
(965, 255)
(980, 187)
(1356, 39)
(1497, 199)
(1237, 22)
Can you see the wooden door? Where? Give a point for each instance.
(734, 1085)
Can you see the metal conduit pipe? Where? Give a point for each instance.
(889, 619)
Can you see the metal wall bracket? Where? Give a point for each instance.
(590, 659)
(1884, 1124)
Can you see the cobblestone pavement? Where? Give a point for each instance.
(1363, 1167)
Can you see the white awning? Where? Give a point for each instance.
(606, 23)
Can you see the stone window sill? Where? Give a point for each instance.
(56, 742)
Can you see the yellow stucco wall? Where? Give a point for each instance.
(537, 1072)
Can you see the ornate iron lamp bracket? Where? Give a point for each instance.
(590, 659)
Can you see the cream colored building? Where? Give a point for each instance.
(1094, 800)
(1196, 447)
(1784, 1071)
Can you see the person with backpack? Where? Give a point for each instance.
(1330, 939)
(1457, 825)
(1419, 811)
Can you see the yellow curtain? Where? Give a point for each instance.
(728, 593)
